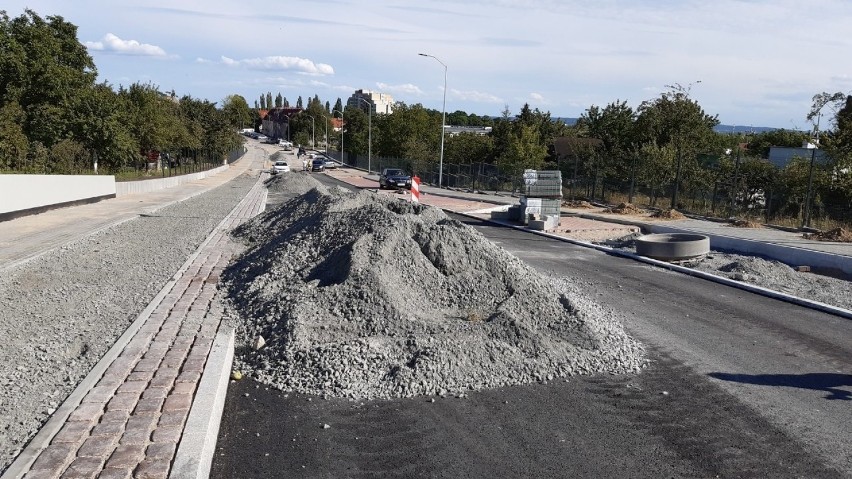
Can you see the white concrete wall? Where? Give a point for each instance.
(24, 192)
(147, 186)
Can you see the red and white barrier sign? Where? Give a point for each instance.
(415, 189)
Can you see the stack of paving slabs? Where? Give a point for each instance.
(542, 197)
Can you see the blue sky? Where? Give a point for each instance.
(751, 62)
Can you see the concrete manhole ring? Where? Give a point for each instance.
(672, 246)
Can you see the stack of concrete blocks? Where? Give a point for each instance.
(541, 203)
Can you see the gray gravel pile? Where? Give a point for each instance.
(766, 273)
(777, 276)
(364, 296)
(63, 310)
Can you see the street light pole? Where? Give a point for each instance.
(806, 217)
(369, 132)
(443, 119)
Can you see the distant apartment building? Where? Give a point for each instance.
(379, 102)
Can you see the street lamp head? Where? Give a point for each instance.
(423, 54)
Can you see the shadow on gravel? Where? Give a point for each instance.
(828, 382)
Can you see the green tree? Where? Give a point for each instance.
(674, 119)
(279, 100)
(237, 111)
(468, 148)
(525, 151)
(299, 102)
(43, 67)
(14, 145)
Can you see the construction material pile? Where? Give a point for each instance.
(364, 296)
(625, 209)
(668, 215)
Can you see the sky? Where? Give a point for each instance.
(750, 62)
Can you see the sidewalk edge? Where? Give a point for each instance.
(194, 456)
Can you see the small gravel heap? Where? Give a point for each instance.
(364, 296)
(668, 215)
(625, 209)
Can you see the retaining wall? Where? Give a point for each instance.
(22, 195)
(146, 186)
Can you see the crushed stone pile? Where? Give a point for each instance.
(625, 209)
(364, 296)
(839, 235)
(668, 214)
(777, 276)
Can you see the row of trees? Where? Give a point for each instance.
(55, 118)
(666, 151)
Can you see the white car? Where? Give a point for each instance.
(280, 167)
(261, 138)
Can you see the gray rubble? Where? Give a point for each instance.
(364, 296)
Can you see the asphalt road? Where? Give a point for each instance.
(739, 386)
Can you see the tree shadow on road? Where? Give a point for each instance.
(828, 382)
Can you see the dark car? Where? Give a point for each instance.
(394, 178)
(317, 165)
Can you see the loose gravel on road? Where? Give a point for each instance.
(364, 296)
(63, 310)
(766, 273)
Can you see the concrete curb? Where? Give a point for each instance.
(194, 456)
(807, 303)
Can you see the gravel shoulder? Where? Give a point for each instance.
(63, 310)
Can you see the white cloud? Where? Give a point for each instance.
(111, 43)
(475, 96)
(537, 97)
(278, 63)
(406, 88)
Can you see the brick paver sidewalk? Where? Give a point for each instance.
(131, 422)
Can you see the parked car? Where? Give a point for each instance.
(394, 178)
(330, 164)
(285, 144)
(280, 167)
(317, 165)
(261, 138)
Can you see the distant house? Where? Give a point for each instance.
(781, 156)
(275, 123)
(337, 124)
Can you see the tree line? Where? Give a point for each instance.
(55, 117)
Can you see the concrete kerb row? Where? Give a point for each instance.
(816, 305)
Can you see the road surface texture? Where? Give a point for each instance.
(738, 385)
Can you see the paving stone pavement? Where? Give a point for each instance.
(130, 424)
